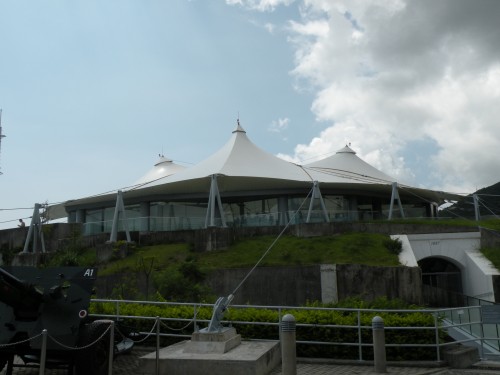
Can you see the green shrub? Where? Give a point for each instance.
(72, 253)
(181, 284)
(322, 325)
(7, 255)
(395, 246)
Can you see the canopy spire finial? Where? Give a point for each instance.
(239, 128)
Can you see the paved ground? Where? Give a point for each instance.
(128, 365)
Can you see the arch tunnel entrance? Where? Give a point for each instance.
(441, 282)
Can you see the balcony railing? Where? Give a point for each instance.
(164, 223)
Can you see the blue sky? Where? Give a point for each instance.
(93, 91)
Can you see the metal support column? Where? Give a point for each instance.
(475, 198)
(316, 194)
(213, 200)
(395, 196)
(35, 232)
(119, 211)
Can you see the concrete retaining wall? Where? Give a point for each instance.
(269, 285)
(371, 282)
(489, 238)
(295, 286)
(54, 236)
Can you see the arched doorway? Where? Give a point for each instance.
(441, 281)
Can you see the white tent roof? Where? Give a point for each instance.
(164, 167)
(243, 168)
(344, 164)
(239, 157)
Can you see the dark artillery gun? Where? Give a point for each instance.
(55, 299)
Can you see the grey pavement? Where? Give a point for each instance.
(128, 364)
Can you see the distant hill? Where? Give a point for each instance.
(489, 203)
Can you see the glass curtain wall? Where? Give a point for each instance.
(94, 221)
(258, 212)
(170, 216)
(177, 215)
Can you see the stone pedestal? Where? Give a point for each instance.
(215, 353)
(213, 342)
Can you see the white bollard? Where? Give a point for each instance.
(288, 346)
(379, 357)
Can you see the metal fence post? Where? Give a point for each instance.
(288, 345)
(157, 345)
(436, 333)
(111, 346)
(379, 357)
(43, 354)
(360, 339)
(279, 319)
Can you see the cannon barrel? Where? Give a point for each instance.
(23, 297)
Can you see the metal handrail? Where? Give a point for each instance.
(438, 314)
(175, 223)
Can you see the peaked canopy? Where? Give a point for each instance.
(243, 169)
(240, 166)
(239, 157)
(163, 167)
(346, 165)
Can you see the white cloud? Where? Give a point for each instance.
(270, 27)
(279, 125)
(389, 72)
(260, 5)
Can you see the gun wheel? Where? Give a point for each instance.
(94, 359)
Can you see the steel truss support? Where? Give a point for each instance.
(119, 213)
(475, 198)
(35, 233)
(214, 204)
(316, 194)
(395, 196)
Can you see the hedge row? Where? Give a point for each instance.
(322, 326)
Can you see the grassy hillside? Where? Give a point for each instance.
(177, 272)
(359, 248)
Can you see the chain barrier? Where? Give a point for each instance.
(64, 346)
(148, 335)
(21, 342)
(60, 343)
(177, 329)
(196, 310)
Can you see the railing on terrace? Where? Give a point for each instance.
(157, 224)
(471, 321)
(361, 340)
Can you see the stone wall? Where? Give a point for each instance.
(294, 286)
(290, 286)
(55, 235)
(371, 282)
(489, 238)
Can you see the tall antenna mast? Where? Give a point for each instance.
(1, 135)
